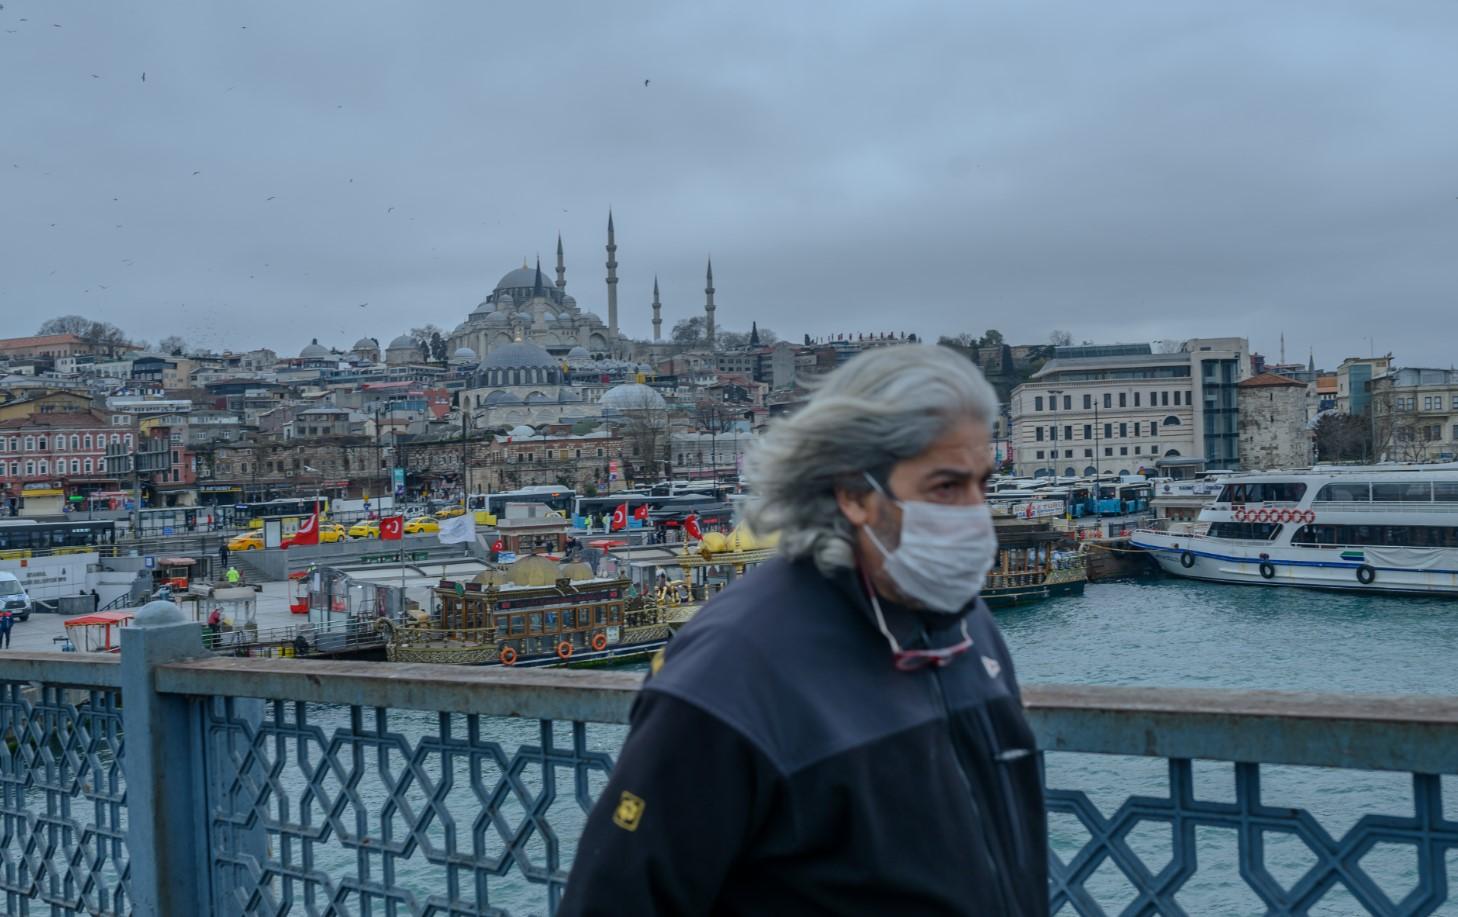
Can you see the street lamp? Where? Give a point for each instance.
(1053, 394)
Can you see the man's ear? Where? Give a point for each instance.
(854, 505)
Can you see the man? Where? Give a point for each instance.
(7, 621)
(233, 576)
(223, 554)
(839, 732)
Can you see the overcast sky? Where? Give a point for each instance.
(1124, 171)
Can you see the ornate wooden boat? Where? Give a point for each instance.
(1034, 562)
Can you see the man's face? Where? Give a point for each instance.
(952, 471)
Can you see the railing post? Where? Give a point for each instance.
(163, 813)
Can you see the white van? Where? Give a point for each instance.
(13, 597)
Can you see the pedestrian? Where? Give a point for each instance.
(95, 601)
(7, 621)
(223, 555)
(840, 731)
(233, 576)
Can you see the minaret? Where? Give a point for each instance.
(537, 291)
(561, 266)
(657, 312)
(709, 306)
(754, 334)
(612, 278)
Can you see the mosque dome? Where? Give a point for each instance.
(403, 342)
(364, 344)
(463, 355)
(519, 355)
(504, 302)
(521, 277)
(632, 396)
(497, 318)
(592, 317)
(579, 353)
(521, 430)
(523, 317)
(315, 351)
(569, 301)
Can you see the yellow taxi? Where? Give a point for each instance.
(368, 528)
(248, 541)
(330, 532)
(421, 525)
(450, 512)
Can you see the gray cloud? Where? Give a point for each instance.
(1125, 171)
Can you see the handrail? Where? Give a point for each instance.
(78, 670)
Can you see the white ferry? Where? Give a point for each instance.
(1386, 528)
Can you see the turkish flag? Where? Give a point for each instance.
(308, 532)
(620, 517)
(691, 525)
(641, 512)
(392, 528)
(498, 546)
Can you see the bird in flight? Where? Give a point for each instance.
(390, 210)
(144, 76)
(646, 82)
(271, 196)
(198, 172)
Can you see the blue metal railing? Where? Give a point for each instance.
(302, 786)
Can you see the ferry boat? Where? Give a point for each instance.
(1034, 562)
(1383, 528)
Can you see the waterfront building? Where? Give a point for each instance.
(1122, 408)
(1273, 422)
(1415, 415)
(61, 451)
(1354, 378)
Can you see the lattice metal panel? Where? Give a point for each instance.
(1337, 861)
(62, 802)
(323, 810)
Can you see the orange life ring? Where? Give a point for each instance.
(564, 650)
(599, 641)
(1238, 515)
(1309, 516)
(508, 655)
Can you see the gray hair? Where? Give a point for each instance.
(882, 406)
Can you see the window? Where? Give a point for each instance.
(41, 444)
(75, 466)
(1123, 399)
(1038, 434)
(1153, 428)
(1432, 402)
(44, 467)
(75, 442)
(1108, 431)
(1263, 492)
(1088, 453)
(1088, 402)
(29, 468)
(1123, 431)
(1108, 451)
(1108, 400)
(1123, 450)
(87, 440)
(1409, 536)
(1088, 431)
(1406, 492)
(1171, 421)
(1164, 399)
(1068, 431)
(1443, 491)
(1040, 453)
(1068, 453)
(1136, 429)
(1137, 450)
(1067, 402)
(1245, 531)
(1136, 399)
(1455, 403)
(1038, 403)
(29, 443)
(87, 465)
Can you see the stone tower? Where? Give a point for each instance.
(709, 306)
(612, 278)
(657, 312)
(561, 265)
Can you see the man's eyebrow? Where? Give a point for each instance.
(960, 474)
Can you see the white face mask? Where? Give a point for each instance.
(944, 554)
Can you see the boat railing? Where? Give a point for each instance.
(415, 633)
(1446, 509)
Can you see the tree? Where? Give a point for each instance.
(172, 344)
(644, 424)
(1343, 437)
(1060, 339)
(437, 349)
(993, 338)
(688, 331)
(103, 337)
(963, 340)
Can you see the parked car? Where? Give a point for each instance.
(13, 597)
(366, 529)
(421, 525)
(450, 512)
(329, 532)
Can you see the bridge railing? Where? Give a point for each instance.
(270, 786)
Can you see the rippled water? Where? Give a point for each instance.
(1152, 632)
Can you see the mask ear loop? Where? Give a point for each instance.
(876, 606)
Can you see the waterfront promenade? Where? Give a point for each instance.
(271, 786)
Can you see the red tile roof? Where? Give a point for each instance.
(39, 341)
(1265, 380)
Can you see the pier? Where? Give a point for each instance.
(171, 781)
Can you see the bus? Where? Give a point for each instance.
(486, 507)
(22, 538)
(290, 509)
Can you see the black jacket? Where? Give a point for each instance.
(779, 764)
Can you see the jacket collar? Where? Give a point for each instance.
(911, 627)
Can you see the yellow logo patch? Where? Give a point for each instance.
(657, 662)
(628, 812)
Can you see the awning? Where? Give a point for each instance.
(100, 617)
(176, 561)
